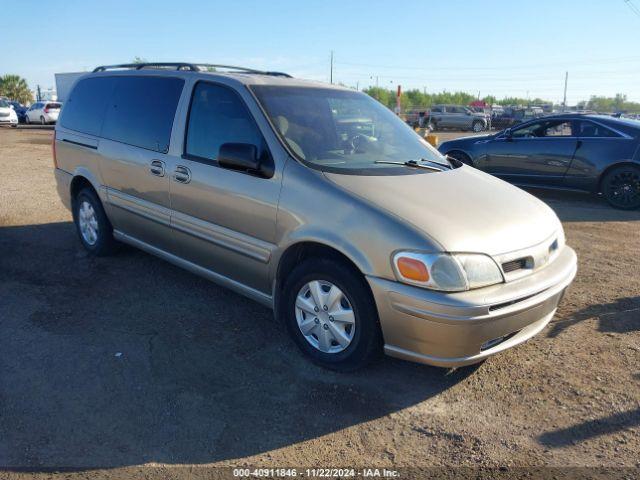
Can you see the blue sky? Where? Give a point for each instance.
(502, 48)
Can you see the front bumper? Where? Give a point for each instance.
(456, 329)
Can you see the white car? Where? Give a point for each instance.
(43, 112)
(7, 115)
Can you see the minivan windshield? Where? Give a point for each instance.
(342, 131)
(4, 103)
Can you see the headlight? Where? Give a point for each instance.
(446, 272)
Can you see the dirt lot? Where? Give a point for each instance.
(127, 365)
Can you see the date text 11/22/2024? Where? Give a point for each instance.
(315, 472)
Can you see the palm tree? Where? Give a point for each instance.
(16, 88)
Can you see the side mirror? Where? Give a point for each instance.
(244, 157)
(12, 107)
(508, 134)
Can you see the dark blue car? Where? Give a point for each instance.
(590, 153)
(21, 111)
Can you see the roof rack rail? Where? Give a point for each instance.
(192, 67)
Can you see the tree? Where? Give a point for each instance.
(16, 88)
(138, 59)
(619, 103)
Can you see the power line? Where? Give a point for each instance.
(589, 61)
(632, 7)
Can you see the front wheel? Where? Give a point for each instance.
(27, 121)
(621, 187)
(42, 121)
(477, 126)
(330, 313)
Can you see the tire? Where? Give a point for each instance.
(356, 303)
(477, 126)
(27, 121)
(101, 243)
(621, 187)
(42, 121)
(461, 156)
(433, 125)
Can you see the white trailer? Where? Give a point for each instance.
(64, 82)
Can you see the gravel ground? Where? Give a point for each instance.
(124, 366)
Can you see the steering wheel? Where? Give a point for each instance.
(358, 142)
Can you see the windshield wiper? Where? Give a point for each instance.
(448, 165)
(410, 163)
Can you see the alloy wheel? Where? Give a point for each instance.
(88, 223)
(624, 188)
(325, 316)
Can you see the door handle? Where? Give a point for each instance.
(182, 174)
(157, 168)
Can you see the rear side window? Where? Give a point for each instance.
(53, 105)
(590, 129)
(142, 110)
(84, 110)
(218, 115)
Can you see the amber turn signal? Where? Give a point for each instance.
(412, 269)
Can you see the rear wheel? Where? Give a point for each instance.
(621, 187)
(26, 120)
(93, 226)
(330, 314)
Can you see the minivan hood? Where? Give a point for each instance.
(464, 209)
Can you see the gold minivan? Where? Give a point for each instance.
(316, 201)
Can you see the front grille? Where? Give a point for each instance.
(4, 114)
(499, 306)
(513, 265)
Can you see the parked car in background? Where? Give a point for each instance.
(7, 115)
(510, 116)
(43, 112)
(310, 198)
(21, 111)
(457, 117)
(591, 153)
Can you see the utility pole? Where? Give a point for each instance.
(564, 102)
(357, 85)
(331, 72)
(371, 78)
(38, 94)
